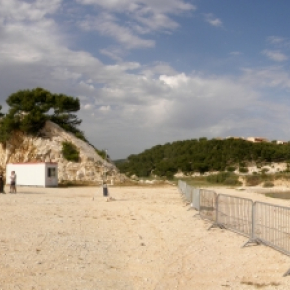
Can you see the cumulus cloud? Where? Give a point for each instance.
(212, 20)
(176, 81)
(275, 55)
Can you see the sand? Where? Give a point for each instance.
(148, 238)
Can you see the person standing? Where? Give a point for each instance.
(1, 184)
(13, 182)
(105, 189)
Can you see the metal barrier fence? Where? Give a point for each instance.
(235, 213)
(261, 222)
(195, 198)
(188, 193)
(182, 186)
(207, 204)
(272, 226)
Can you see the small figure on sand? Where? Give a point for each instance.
(1, 183)
(106, 192)
(105, 189)
(13, 182)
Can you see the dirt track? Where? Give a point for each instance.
(146, 239)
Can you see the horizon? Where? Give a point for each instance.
(152, 72)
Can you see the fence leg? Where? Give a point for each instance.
(251, 242)
(216, 225)
(286, 273)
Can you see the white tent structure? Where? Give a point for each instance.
(43, 174)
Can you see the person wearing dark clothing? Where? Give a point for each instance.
(1, 184)
(105, 189)
(13, 182)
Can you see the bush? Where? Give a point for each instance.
(232, 180)
(242, 164)
(70, 152)
(243, 170)
(268, 184)
(253, 180)
(226, 178)
(231, 168)
(102, 153)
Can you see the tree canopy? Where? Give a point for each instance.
(30, 109)
(203, 155)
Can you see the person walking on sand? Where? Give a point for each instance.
(13, 182)
(106, 192)
(105, 189)
(1, 184)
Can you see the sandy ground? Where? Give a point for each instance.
(148, 238)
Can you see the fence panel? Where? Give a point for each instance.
(207, 204)
(182, 186)
(272, 226)
(235, 213)
(188, 193)
(195, 198)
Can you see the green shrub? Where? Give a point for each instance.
(268, 184)
(225, 178)
(70, 152)
(243, 170)
(242, 164)
(253, 180)
(102, 153)
(232, 180)
(231, 168)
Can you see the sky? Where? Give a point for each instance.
(148, 72)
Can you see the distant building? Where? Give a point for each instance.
(257, 139)
(281, 142)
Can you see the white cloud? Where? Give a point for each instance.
(212, 20)
(275, 39)
(107, 25)
(142, 17)
(113, 53)
(267, 77)
(88, 107)
(105, 108)
(175, 81)
(235, 53)
(126, 102)
(15, 10)
(161, 6)
(275, 55)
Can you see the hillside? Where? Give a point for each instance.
(201, 156)
(47, 147)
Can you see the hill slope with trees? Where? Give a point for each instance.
(30, 109)
(202, 156)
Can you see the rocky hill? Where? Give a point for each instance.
(47, 147)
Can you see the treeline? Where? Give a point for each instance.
(202, 156)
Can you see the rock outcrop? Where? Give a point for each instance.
(47, 147)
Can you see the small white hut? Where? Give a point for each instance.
(43, 174)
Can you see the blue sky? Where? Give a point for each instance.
(149, 72)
